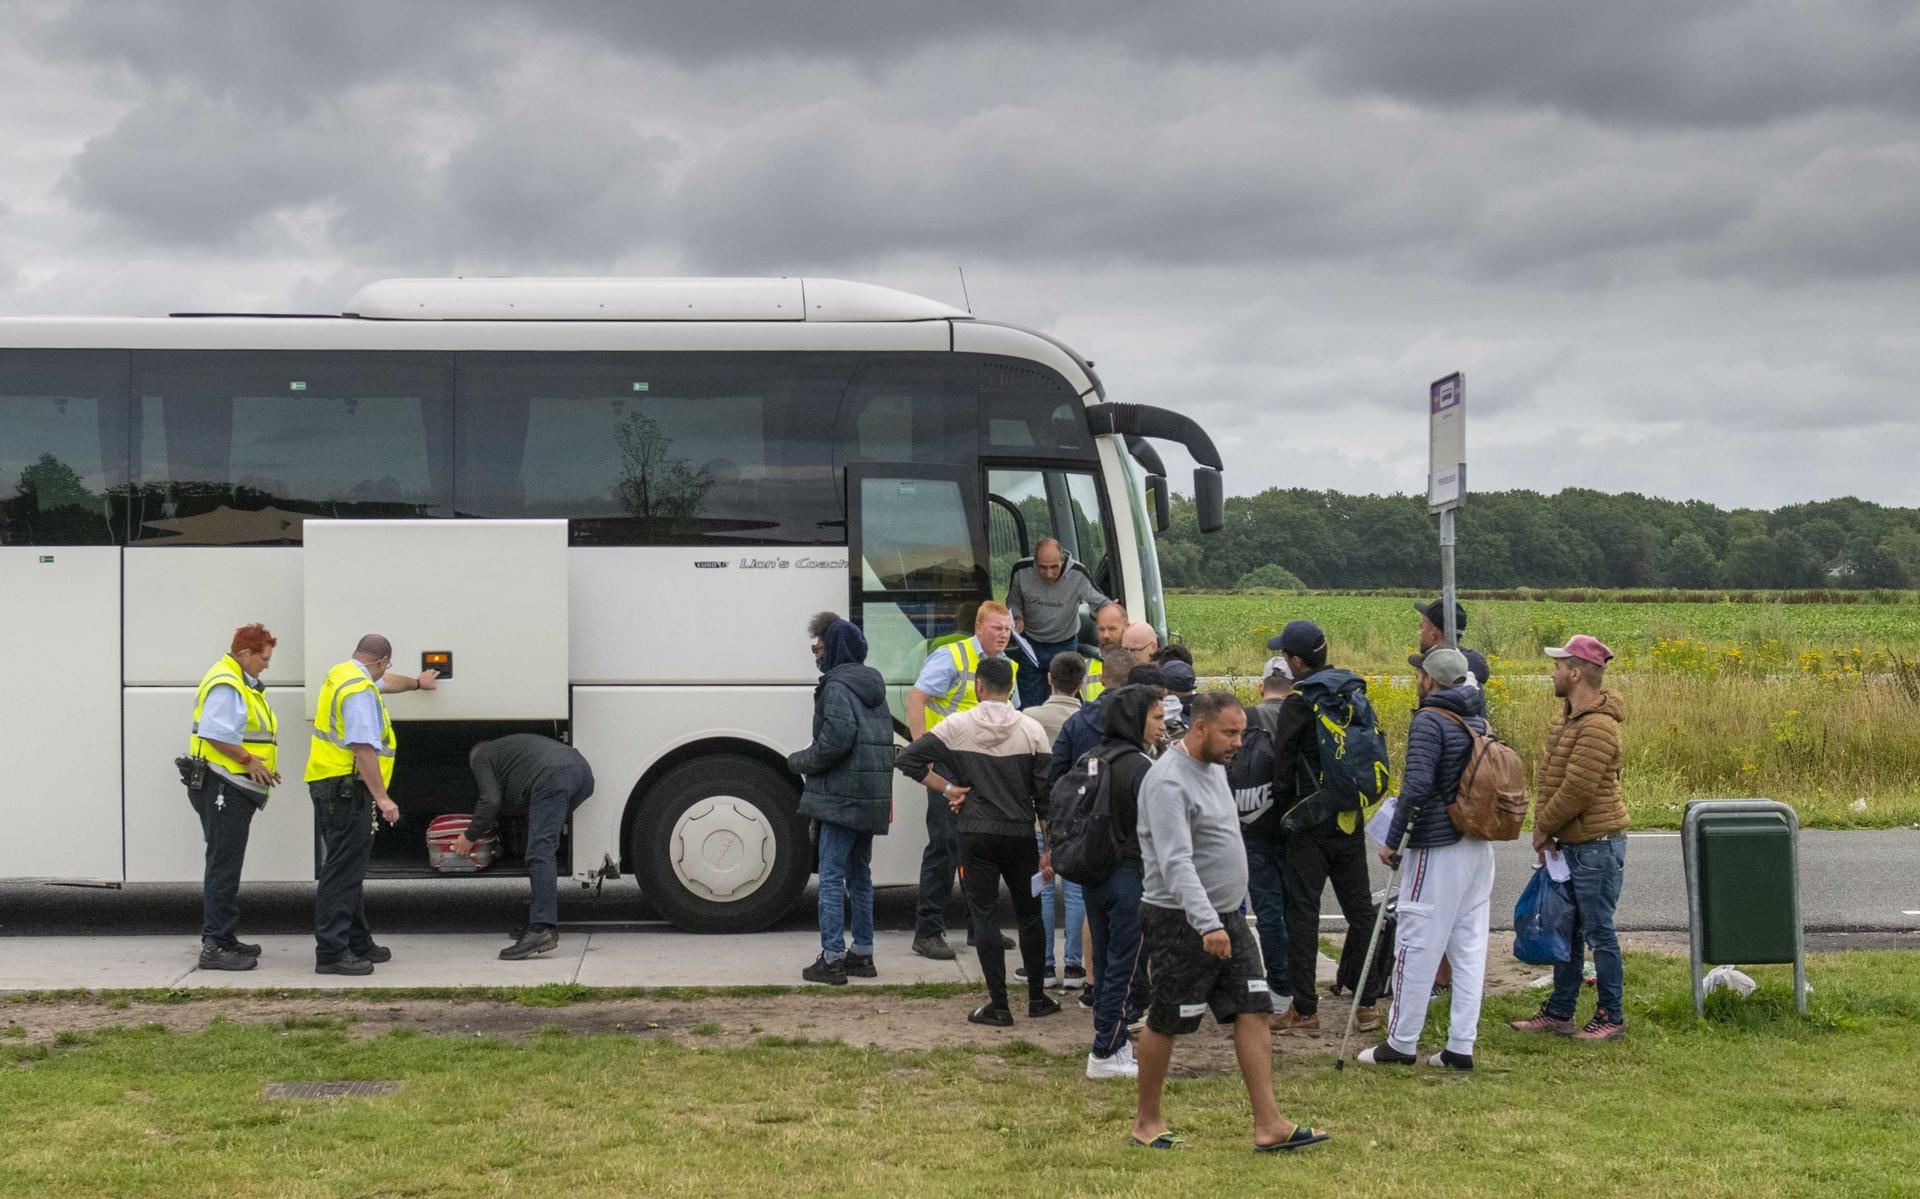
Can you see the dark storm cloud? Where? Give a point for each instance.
(1716, 62)
(285, 56)
(214, 172)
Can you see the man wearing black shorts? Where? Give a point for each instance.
(1201, 954)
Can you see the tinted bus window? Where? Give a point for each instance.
(1029, 411)
(912, 408)
(63, 446)
(654, 449)
(240, 447)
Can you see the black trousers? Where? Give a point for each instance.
(343, 842)
(1315, 857)
(554, 798)
(985, 860)
(226, 817)
(937, 863)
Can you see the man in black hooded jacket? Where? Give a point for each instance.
(1134, 721)
(849, 789)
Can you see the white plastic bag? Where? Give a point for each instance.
(1729, 978)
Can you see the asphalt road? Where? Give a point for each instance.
(1850, 881)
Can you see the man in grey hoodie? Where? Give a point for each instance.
(1045, 600)
(1203, 954)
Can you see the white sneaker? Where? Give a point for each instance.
(1120, 1065)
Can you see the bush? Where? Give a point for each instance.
(1271, 577)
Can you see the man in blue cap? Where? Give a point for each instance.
(1322, 846)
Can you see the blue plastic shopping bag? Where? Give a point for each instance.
(1543, 921)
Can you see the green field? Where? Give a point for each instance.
(1817, 705)
(1756, 1101)
(1373, 634)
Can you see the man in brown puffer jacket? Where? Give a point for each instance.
(1581, 813)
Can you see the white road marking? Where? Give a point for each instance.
(1914, 913)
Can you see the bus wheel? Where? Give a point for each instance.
(720, 847)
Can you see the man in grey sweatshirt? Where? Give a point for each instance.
(1201, 951)
(1045, 600)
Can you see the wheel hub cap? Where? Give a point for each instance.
(722, 849)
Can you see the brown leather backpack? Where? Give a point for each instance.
(1492, 801)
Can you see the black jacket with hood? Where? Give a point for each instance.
(849, 766)
(1125, 712)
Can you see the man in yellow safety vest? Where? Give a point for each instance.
(232, 762)
(349, 765)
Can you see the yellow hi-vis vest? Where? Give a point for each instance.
(1096, 680)
(331, 756)
(260, 734)
(961, 696)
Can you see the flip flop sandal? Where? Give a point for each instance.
(1165, 1140)
(1301, 1137)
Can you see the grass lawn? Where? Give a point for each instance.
(1756, 1102)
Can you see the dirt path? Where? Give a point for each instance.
(877, 1020)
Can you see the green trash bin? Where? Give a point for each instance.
(1743, 887)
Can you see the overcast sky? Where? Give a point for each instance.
(1676, 248)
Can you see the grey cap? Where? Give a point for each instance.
(1444, 665)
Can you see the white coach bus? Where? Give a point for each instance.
(612, 503)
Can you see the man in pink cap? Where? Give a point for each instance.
(1579, 809)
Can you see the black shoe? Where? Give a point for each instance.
(1086, 996)
(986, 1013)
(214, 957)
(374, 953)
(934, 947)
(859, 965)
(834, 974)
(345, 965)
(1073, 976)
(1043, 1006)
(1384, 1054)
(252, 951)
(1006, 942)
(1451, 1060)
(533, 941)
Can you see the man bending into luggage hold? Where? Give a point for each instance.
(1203, 954)
(525, 772)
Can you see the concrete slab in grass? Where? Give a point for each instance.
(666, 957)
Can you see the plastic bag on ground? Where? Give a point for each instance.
(1729, 978)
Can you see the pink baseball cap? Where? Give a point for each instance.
(1583, 647)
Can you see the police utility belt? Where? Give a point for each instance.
(196, 773)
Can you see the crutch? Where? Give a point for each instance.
(1373, 943)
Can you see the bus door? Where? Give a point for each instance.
(918, 563)
(1026, 505)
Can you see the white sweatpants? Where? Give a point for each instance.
(1444, 897)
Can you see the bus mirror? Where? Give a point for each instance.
(1209, 499)
(1162, 512)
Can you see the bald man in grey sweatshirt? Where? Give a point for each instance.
(1202, 954)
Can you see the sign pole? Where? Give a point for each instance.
(1447, 480)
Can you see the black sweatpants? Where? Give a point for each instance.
(1315, 857)
(226, 816)
(984, 861)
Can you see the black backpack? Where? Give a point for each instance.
(1250, 773)
(1080, 831)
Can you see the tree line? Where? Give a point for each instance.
(1286, 537)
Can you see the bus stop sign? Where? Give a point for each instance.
(1447, 442)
